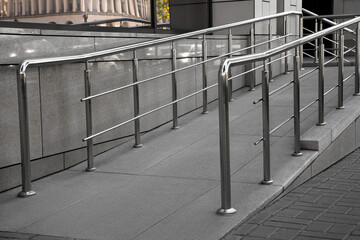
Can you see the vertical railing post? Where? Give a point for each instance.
(88, 114)
(321, 85)
(357, 61)
(337, 40)
(297, 64)
(286, 41)
(341, 71)
(204, 79)
(252, 51)
(301, 35)
(269, 47)
(230, 56)
(316, 55)
(136, 101)
(174, 87)
(24, 136)
(266, 125)
(223, 91)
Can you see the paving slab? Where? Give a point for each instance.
(198, 221)
(54, 193)
(318, 220)
(123, 212)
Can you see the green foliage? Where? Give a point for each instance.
(162, 10)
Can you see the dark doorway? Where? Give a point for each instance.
(320, 7)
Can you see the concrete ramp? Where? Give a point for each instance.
(170, 188)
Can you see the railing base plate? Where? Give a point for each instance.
(177, 127)
(267, 182)
(26, 194)
(297, 154)
(206, 112)
(137, 145)
(356, 94)
(321, 124)
(90, 169)
(222, 211)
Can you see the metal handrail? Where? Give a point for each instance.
(323, 18)
(84, 57)
(177, 70)
(264, 57)
(288, 46)
(115, 20)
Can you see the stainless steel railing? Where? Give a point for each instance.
(226, 206)
(319, 23)
(85, 58)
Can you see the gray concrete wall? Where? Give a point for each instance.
(57, 117)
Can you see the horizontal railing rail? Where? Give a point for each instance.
(264, 57)
(115, 20)
(86, 59)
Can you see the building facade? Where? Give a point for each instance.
(73, 11)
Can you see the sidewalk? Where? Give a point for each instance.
(325, 207)
(170, 188)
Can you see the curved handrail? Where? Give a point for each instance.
(83, 57)
(275, 51)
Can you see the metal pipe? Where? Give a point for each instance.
(136, 102)
(24, 137)
(309, 105)
(204, 79)
(301, 35)
(149, 112)
(337, 39)
(357, 61)
(223, 90)
(286, 41)
(88, 114)
(278, 50)
(269, 47)
(230, 56)
(83, 57)
(280, 125)
(321, 86)
(316, 60)
(333, 54)
(324, 18)
(266, 125)
(252, 51)
(297, 150)
(258, 67)
(347, 78)
(174, 87)
(341, 72)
